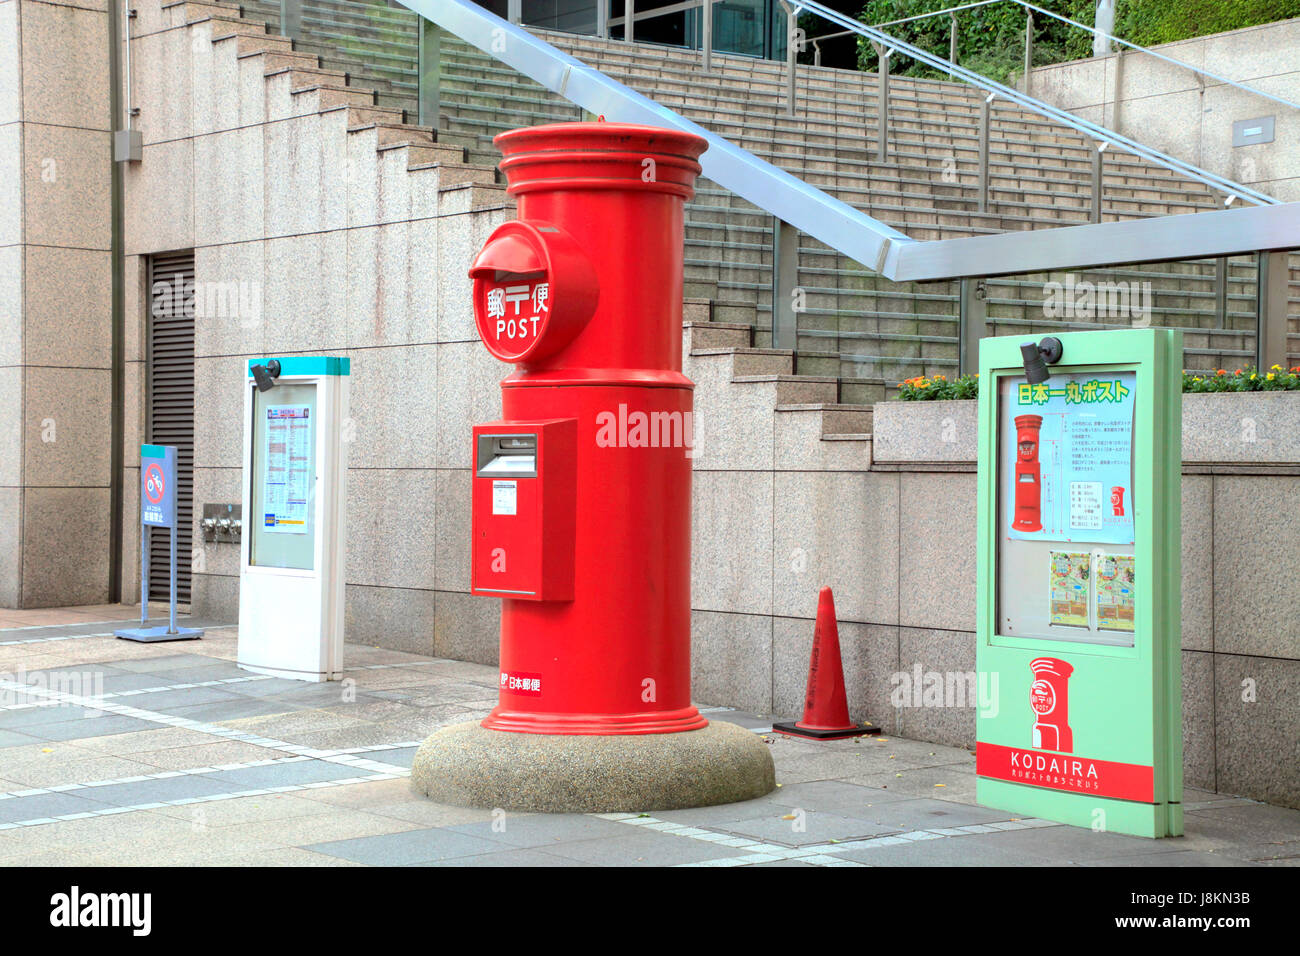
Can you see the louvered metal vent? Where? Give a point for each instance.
(171, 407)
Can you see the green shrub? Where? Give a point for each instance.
(1277, 379)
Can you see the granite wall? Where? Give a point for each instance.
(1189, 116)
(55, 303)
(329, 241)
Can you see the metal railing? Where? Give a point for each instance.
(1104, 137)
(886, 44)
(1268, 230)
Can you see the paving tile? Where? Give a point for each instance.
(213, 754)
(284, 773)
(970, 850)
(338, 824)
(156, 791)
(1174, 858)
(925, 814)
(262, 808)
(952, 782)
(157, 737)
(163, 663)
(236, 709)
(67, 730)
(23, 720)
(131, 680)
(1066, 844)
(641, 848)
(402, 757)
(278, 856)
(724, 813)
(15, 809)
(512, 857)
(169, 701)
(833, 795)
(815, 827)
(65, 764)
(12, 738)
(411, 846)
(544, 830)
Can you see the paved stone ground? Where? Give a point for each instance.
(116, 753)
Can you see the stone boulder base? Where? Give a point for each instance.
(466, 765)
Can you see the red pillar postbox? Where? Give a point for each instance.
(581, 499)
(1028, 515)
(1049, 695)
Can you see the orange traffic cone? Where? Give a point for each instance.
(826, 707)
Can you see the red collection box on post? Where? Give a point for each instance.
(582, 492)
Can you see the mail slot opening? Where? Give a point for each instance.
(507, 455)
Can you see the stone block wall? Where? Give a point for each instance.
(55, 303)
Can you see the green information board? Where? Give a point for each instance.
(1079, 582)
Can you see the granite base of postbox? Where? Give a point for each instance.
(467, 765)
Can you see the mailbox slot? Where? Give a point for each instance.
(523, 503)
(511, 456)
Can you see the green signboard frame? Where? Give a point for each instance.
(1118, 765)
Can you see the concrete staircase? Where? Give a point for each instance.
(857, 330)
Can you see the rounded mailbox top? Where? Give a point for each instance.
(578, 156)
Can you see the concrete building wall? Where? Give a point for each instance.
(55, 302)
(338, 246)
(1187, 116)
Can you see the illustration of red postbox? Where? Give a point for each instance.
(1117, 501)
(1050, 700)
(1028, 516)
(581, 494)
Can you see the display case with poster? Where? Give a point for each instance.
(1078, 624)
(295, 489)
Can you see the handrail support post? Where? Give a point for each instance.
(291, 19)
(952, 42)
(785, 282)
(429, 68)
(882, 103)
(972, 324)
(982, 181)
(706, 34)
(791, 56)
(1029, 50)
(1098, 183)
(1271, 316)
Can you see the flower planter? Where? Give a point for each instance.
(1233, 428)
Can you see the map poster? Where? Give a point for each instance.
(1069, 588)
(1115, 592)
(289, 473)
(1067, 457)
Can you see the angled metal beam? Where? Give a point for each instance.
(875, 245)
(1202, 235)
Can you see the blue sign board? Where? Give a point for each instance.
(158, 486)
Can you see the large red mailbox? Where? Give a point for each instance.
(581, 499)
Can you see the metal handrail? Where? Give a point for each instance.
(1266, 231)
(1100, 133)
